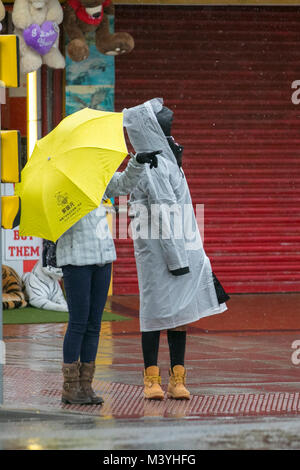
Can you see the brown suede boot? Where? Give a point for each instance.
(86, 373)
(72, 393)
(152, 381)
(176, 386)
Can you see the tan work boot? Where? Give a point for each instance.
(176, 386)
(152, 381)
(86, 375)
(72, 393)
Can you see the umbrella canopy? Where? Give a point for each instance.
(68, 172)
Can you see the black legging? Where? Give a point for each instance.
(150, 347)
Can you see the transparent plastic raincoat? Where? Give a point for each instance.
(165, 233)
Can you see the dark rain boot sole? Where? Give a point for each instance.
(98, 401)
(65, 401)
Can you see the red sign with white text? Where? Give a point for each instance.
(21, 248)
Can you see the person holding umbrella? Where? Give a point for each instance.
(70, 172)
(85, 256)
(176, 282)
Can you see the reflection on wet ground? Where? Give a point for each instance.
(244, 384)
(239, 364)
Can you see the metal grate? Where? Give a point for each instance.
(25, 387)
(227, 73)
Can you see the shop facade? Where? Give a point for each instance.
(230, 75)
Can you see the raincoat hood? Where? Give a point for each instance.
(144, 131)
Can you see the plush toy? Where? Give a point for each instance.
(36, 24)
(85, 16)
(43, 288)
(13, 295)
(2, 13)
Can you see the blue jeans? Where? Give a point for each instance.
(86, 292)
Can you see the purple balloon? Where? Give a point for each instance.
(41, 38)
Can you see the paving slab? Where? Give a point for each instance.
(241, 372)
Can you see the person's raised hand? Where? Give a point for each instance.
(148, 157)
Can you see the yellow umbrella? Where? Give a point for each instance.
(68, 172)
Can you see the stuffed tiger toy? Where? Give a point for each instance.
(43, 288)
(13, 295)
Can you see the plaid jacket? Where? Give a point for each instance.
(89, 241)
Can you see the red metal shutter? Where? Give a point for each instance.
(227, 73)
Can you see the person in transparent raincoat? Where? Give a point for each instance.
(176, 282)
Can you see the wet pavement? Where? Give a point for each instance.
(242, 372)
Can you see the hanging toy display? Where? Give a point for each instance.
(36, 24)
(84, 16)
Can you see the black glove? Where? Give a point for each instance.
(148, 157)
(180, 271)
